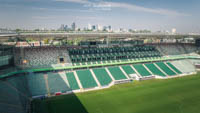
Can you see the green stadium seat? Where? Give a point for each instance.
(155, 70)
(57, 83)
(141, 70)
(11, 98)
(77, 64)
(94, 63)
(83, 63)
(72, 81)
(128, 69)
(174, 68)
(86, 78)
(89, 63)
(36, 84)
(113, 53)
(99, 62)
(102, 76)
(117, 73)
(166, 69)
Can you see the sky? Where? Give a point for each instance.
(130, 14)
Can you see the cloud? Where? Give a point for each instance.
(74, 1)
(43, 17)
(103, 5)
(65, 17)
(98, 5)
(144, 9)
(88, 18)
(63, 10)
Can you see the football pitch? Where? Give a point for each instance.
(177, 95)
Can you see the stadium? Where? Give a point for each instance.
(99, 73)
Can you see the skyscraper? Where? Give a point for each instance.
(66, 28)
(98, 27)
(89, 27)
(74, 26)
(109, 28)
(62, 27)
(93, 27)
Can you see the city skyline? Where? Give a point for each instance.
(138, 14)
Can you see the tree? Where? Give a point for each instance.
(18, 30)
(46, 41)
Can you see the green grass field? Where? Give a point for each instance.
(177, 95)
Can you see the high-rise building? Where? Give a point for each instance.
(93, 27)
(89, 27)
(109, 28)
(74, 26)
(66, 27)
(97, 27)
(105, 28)
(62, 27)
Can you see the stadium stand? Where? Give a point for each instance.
(155, 70)
(194, 61)
(5, 108)
(8, 94)
(116, 73)
(102, 76)
(189, 48)
(112, 54)
(166, 69)
(86, 79)
(17, 57)
(184, 66)
(14, 97)
(36, 84)
(4, 60)
(72, 81)
(141, 70)
(176, 49)
(128, 69)
(43, 57)
(174, 68)
(57, 83)
(20, 83)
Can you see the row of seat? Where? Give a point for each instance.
(159, 68)
(90, 78)
(185, 66)
(80, 63)
(114, 56)
(4, 60)
(176, 49)
(84, 51)
(36, 83)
